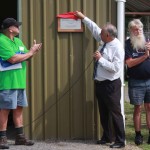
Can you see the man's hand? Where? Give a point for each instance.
(97, 55)
(79, 15)
(147, 46)
(35, 48)
(147, 49)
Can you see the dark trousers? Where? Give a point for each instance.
(108, 94)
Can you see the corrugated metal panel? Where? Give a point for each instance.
(138, 6)
(60, 86)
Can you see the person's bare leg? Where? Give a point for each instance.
(147, 109)
(18, 117)
(3, 119)
(137, 124)
(3, 127)
(18, 121)
(137, 117)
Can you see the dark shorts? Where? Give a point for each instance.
(139, 91)
(10, 99)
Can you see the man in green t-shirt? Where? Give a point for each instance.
(13, 56)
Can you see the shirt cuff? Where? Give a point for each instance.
(101, 60)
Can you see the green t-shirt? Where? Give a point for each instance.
(12, 79)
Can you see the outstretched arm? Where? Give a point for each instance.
(92, 26)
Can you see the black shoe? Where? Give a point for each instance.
(139, 139)
(148, 142)
(103, 141)
(117, 145)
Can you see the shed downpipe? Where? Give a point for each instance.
(121, 37)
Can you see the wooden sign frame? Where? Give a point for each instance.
(70, 25)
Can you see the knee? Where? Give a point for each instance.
(147, 107)
(137, 109)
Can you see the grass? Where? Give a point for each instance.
(130, 133)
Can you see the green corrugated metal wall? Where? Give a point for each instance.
(60, 86)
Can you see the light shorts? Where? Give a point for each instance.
(139, 91)
(10, 99)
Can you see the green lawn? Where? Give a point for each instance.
(130, 133)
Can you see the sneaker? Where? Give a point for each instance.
(138, 139)
(3, 143)
(148, 142)
(22, 140)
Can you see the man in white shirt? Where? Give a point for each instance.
(109, 59)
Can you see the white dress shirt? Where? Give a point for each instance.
(112, 60)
